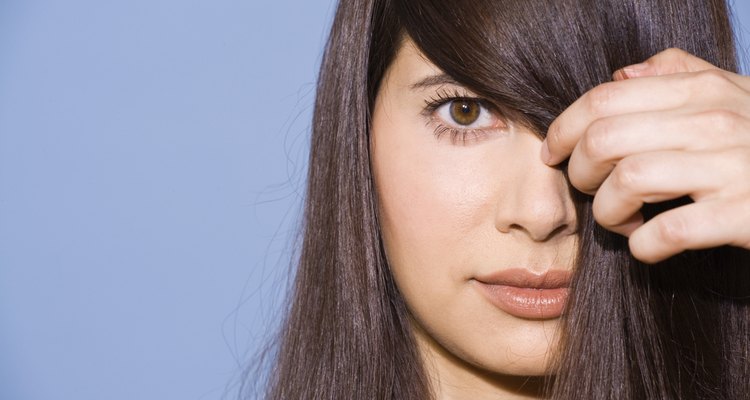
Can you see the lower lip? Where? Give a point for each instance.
(528, 303)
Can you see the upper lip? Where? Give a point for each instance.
(524, 278)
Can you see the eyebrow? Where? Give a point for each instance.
(435, 80)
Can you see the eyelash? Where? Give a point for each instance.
(457, 135)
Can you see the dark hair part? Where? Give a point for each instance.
(680, 329)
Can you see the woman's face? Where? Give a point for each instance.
(479, 233)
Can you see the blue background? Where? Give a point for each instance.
(152, 161)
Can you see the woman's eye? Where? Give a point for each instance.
(466, 113)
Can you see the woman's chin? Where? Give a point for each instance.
(518, 363)
(524, 349)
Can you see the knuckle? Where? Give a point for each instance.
(672, 60)
(711, 86)
(712, 80)
(674, 54)
(673, 230)
(721, 120)
(597, 141)
(600, 98)
(628, 173)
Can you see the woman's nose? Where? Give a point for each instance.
(539, 204)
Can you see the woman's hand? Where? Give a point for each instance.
(681, 127)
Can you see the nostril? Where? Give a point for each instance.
(541, 234)
(515, 227)
(562, 230)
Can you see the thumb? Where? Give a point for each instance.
(670, 61)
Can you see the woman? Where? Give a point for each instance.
(451, 252)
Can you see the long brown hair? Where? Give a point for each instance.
(680, 329)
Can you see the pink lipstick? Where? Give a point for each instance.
(524, 294)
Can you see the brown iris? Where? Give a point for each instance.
(465, 112)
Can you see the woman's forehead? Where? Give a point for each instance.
(410, 66)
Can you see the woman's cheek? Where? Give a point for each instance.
(436, 197)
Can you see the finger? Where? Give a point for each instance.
(675, 61)
(669, 61)
(638, 95)
(691, 227)
(653, 178)
(608, 140)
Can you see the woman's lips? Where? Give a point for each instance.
(524, 294)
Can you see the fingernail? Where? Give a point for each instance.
(635, 70)
(619, 75)
(546, 157)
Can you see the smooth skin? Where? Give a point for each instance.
(672, 126)
(452, 210)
